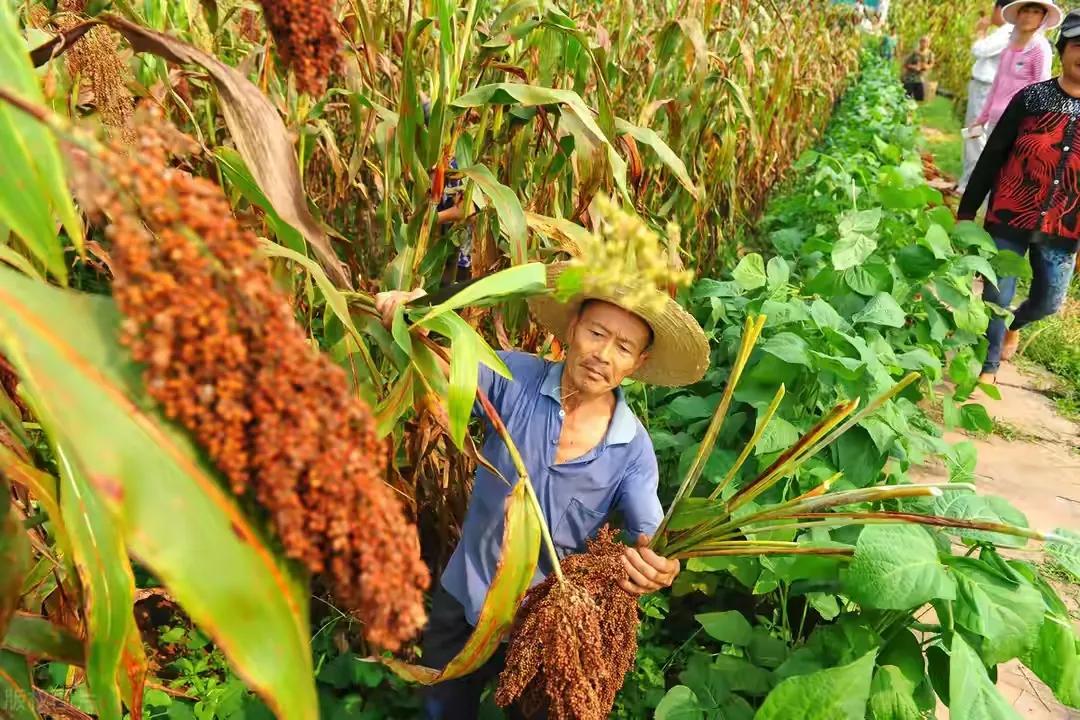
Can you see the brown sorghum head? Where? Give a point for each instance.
(305, 33)
(224, 357)
(94, 59)
(573, 642)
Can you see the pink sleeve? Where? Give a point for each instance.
(984, 114)
(1041, 62)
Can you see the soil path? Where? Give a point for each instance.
(1036, 467)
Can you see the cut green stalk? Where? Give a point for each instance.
(822, 488)
(751, 551)
(790, 460)
(523, 476)
(765, 420)
(751, 332)
(935, 521)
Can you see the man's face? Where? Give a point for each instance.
(1070, 60)
(1030, 17)
(606, 345)
(924, 43)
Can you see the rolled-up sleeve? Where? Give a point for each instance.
(638, 500)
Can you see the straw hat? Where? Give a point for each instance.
(679, 354)
(1053, 12)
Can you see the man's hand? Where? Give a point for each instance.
(646, 571)
(388, 302)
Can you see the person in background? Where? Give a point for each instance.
(1026, 60)
(992, 37)
(917, 67)
(1031, 170)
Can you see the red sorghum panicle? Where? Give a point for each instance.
(225, 357)
(573, 642)
(306, 36)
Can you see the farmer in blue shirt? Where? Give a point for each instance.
(586, 453)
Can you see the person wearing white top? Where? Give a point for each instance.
(994, 34)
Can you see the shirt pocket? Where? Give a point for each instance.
(577, 524)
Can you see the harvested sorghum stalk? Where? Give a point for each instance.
(574, 641)
(225, 357)
(305, 33)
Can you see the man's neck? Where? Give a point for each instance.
(575, 401)
(1070, 86)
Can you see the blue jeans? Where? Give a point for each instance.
(1051, 271)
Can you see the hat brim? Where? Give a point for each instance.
(679, 354)
(1053, 18)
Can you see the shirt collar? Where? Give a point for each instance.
(623, 426)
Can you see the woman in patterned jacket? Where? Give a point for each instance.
(1031, 170)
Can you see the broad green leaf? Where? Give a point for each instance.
(1009, 264)
(729, 626)
(14, 557)
(1007, 615)
(825, 316)
(971, 316)
(835, 694)
(89, 398)
(530, 96)
(970, 235)
(750, 272)
(977, 264)
(937, 239)
(691, 407)
(105, 575)
(972, 696)
(32, 180)
(1055, 658)
(517, 565)
(892, 696)
(742, 676)
(974, 417)
(852, 249)
(680, 703)
(38, 637)
(777, 272)
(860, 221)
(663, 151)
(980, 508)
(16, 691)
(789, 347)
(896, 567)
(529, 279)
(706, 681)
(1066, 555)
(507, 207)
(881, 310)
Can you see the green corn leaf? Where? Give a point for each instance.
(530, 96)
(528, 279)
(33, 189)
(16, 690)
(14, 557)
(37, 636)
(517, 565)
(236, 172)
(663, 151)
(89, 398)
(507, 207)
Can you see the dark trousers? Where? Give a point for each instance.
(444, 637)
(916, 90)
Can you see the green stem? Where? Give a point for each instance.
(765, 420)
(523, 476)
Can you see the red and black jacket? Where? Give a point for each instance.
(1031, 169)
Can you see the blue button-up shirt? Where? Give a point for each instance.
(577, 496)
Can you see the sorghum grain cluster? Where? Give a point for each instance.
(305, 33)
(225, 357)
(94, 59)
(573, 642)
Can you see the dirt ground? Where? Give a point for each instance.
(1032, 460)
